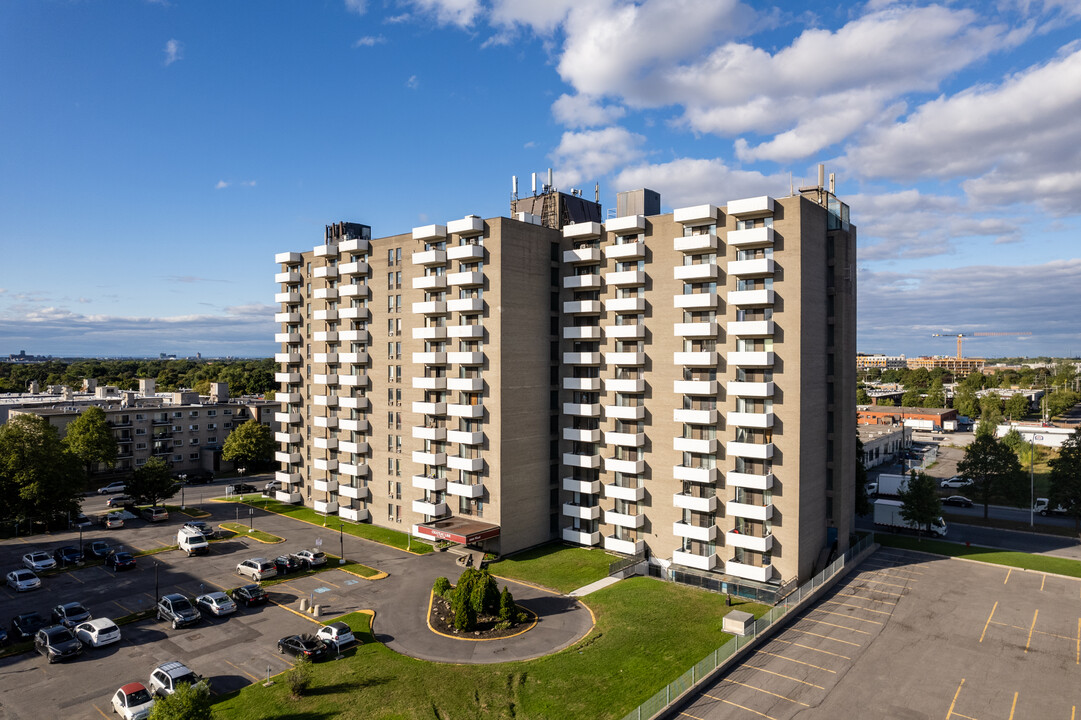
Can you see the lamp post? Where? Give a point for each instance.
(157, 595)
(251, 519)
(182, 497)
(1031, 480)
(80, 539)
(341, 543)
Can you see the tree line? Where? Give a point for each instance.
(245, 377)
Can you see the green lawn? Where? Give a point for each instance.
(245, 531)
(648, 633)
(386, 536)
(1041, 563)
(555, 566)
(330, 564)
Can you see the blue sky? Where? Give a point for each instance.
(156, 155)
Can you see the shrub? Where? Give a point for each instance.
(441, 586)
(506, 606)
(300, 677)
(502, 625)
(464, 617)
(485, 595)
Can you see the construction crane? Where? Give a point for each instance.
(959, 336)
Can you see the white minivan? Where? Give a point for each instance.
(192, 541)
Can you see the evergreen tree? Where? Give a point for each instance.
(189, 702)
(507, 608)
(919, 501)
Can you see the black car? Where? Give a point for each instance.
(243, 488)
(957, 500)
(248, 595)
(70, 614)
(99, 549)
(287, 564)
(120, 561)
(307, 645)
(199, 477)
(204, 529)
(178, 610)
(24, 626)
(57, 643)
(67, 555)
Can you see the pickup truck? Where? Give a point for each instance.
(1043, 507)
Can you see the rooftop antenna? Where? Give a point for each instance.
(791, 187)
(534, 183)
(597, 193)
(514, 186)
(833, 183)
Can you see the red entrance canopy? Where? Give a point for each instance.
(459, 530)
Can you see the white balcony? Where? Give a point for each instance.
(695, 243)
(287, 377)
(749, 480)
(629, 467)
(582, 230)
(572, 358)
(466, 305)
(289, 298)
(291, 277)
(630, 494)
(587, 332)
(430, 307)
(624, 386)
(326, 485)
(582, 282)
(355, 448)
(287, 398)
(694, 532)
(696, 504)
(465, 490)
(578, 537)
(703, 271)
(695, 417)
(353, 470)
(589, 410)
(430, 358)
(591, 384)
(289, 458)
(703, 447)
(751, 359)
(696, 301)
(696, 329)
(287, 478)
(694, 474)
(355, 515)
(751, 268)
(751, 389)
(762, 573)
(694, 387)
(762, 205)
(326, 358)
(357, 245)
(466, 464)
(465, 279)
(430, 257)
(354, 336)
(326, 422)
(287, 497)
(322, 443)
(429, 383)
(429, 458)
(582, 255)
(575, 435)
(288, 258)
(751, 328)
(465, 252)
(625, 305)
(327, 464)
(287, 418)
(627, 547)
(695, 359)
(287, 337)
(466, 358)
(353, 358)
(469, 225)
(761, 513)
(747, 298)
(748, 542)
(583, 307)
(698, 562)
(755, 451)
(289, 358)
(353, 268)
(326, 250)
(585, 487)
(582, 461)
(353, 290)
(465, 411)
(625, 358)
(288, 317)
(625, 412)
(465, 438)
(431, 509)
(325, 379)
(353, 403)
(430, 433)
(465, 331)
(325, 336)
(465, 384)
(750, 419)
(433, 484)
(623, 332)
(625, 439)
(353, 380)
(326, 507)
(625, 251)
(325, 293)
(428, 233)
(430, 282)
(329, 272)
(430, 408)
(357, 493)
(611, 517)
(354, 313)
(429, 333)
(286, 437)
(322, 315)
(625, 224)
(696, 214)
(582, 512)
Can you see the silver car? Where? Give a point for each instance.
(38, 561)
(216, 603)
(21, 580)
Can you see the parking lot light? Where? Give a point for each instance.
(251, 519)
(341, 542)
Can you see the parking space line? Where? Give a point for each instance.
(799, 662)
(767, 692)
(1007, 576)
(808, 647)
(1029, 641)
(254, 679)
(1043, 581)
(873, 568)
(843, 627)
(846, 615)
(825, 637)
(891, 576)
(955, 695)
(129, 611)
(879, 582)
(858, 607)
(741, 707)
(75, 577)
(1014, 706)
(861, 597)
(966, 717)
(786, 677)
(1079, 641)
(988, 622)
(100, 711)
(693, 717)
(328, 582)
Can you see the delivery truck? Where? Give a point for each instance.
(891, 484)
(888, 515)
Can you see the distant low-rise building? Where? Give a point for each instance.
(882, 444)
(882, 362)
(914, 417)
(957, 366)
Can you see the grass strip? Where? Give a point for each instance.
(1001, 524)
(258, 535)
(28, 645)
(384, 536)
(648, 633)
(331, 564)
(556, 566)
(1008, 558)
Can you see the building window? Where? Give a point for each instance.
(193, 456)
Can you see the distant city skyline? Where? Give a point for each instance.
(157, 155)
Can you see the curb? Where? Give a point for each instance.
(428, 622)
(985, 563)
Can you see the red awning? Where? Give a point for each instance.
(459, 530)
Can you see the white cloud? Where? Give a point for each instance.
(587, 155)
(221, 185)
(358, 7)
(541, 17)
(450, 12)
(412, 83)
(693, 181)
(583, 111)
(369, 41)
(174, 50)
(396, 19)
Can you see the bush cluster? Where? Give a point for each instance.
(477, 595)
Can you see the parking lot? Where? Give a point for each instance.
(908, 635)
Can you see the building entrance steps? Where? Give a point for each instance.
(593, 586)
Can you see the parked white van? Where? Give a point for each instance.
(192, 541)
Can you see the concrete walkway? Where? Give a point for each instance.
(594, 586)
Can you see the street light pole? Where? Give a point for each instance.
(182, 506)
(1031, 480)
(156, 593)
(341, 543)
(251, 519)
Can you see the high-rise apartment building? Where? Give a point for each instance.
(680, 385)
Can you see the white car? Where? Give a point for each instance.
(38, 561)
(257, 569)
(98, 632)
(20, 580)
(956, 482)
(216, 603)
(337, 634)
(311, 558)
(113, 489)
(133, 702)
